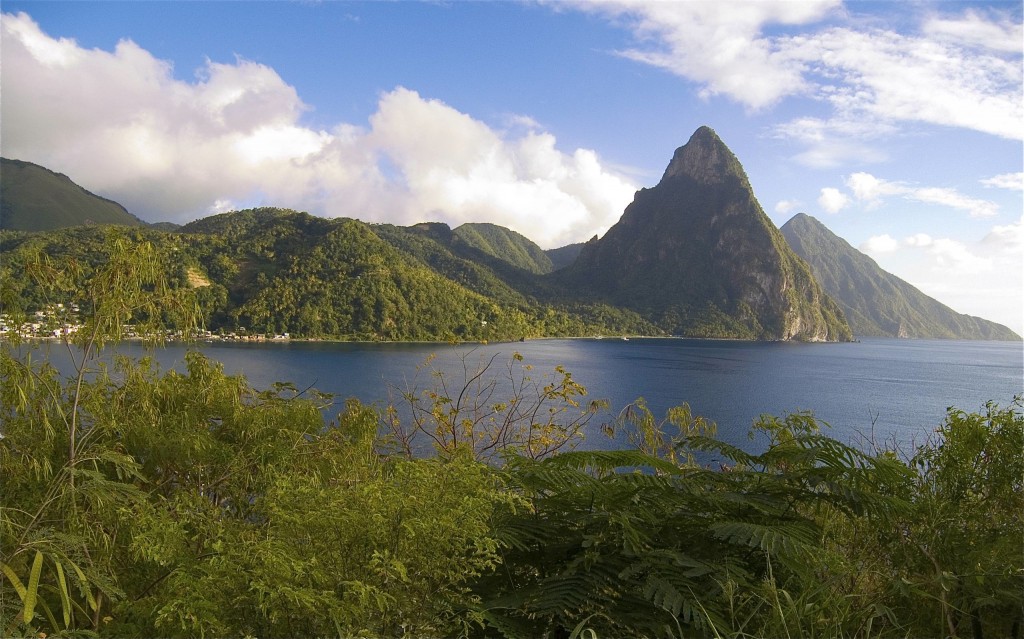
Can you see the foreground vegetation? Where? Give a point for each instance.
(140, 502)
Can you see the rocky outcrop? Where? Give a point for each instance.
(698, 255)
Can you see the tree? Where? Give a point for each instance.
(491, 414)
(61, 505)
(962, 546)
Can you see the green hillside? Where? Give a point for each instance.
(506, 245)
(277, 271)
(33, 198)
(877, 303)
(564, 255)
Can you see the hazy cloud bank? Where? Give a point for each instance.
(962, 274)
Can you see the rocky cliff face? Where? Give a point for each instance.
(706, 160)
(698, 255)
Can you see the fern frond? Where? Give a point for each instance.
(774, 538)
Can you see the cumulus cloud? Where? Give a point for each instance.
(872, 190)
(452, 163)
(1006, 239)
(946, 255)
(786, 206)
(961, 70)
(832, 200)
(1011, 181)
(174, 150)
(880, 244)
(718, 44)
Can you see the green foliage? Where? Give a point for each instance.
(273, 271)
(489, 415)
(187, 503)
(268, 524)
(564, 256)
(506, 245)
(206, 508)
(645, 543)
(961, 548)
(66, 486)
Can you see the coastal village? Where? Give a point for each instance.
(61, 321)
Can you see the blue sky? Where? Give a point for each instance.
(897, 124)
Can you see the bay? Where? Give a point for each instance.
(877, 391)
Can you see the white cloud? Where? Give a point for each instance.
(48, 51)
(871, 190)
(514, 121)
(174, 150)
(832, 200)
(1006, 239)
(883, 76)
(951, 198)
(718, 44)
(786, 206)
(960, 70)
(946, 255)
(920, 240)
(222, 206)
(954, 257)
(880, 244)
(834, 142)
(974, 29)
(457, 165)
(1011, 181)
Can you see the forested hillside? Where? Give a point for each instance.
(564, 255)
(274, 271)
(506, 245)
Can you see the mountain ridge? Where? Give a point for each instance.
(697, 254)
(34, 198)
(506, 245)
(876, 302)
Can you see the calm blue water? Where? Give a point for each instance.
(878, 389)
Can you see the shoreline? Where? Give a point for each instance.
(206, 339)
